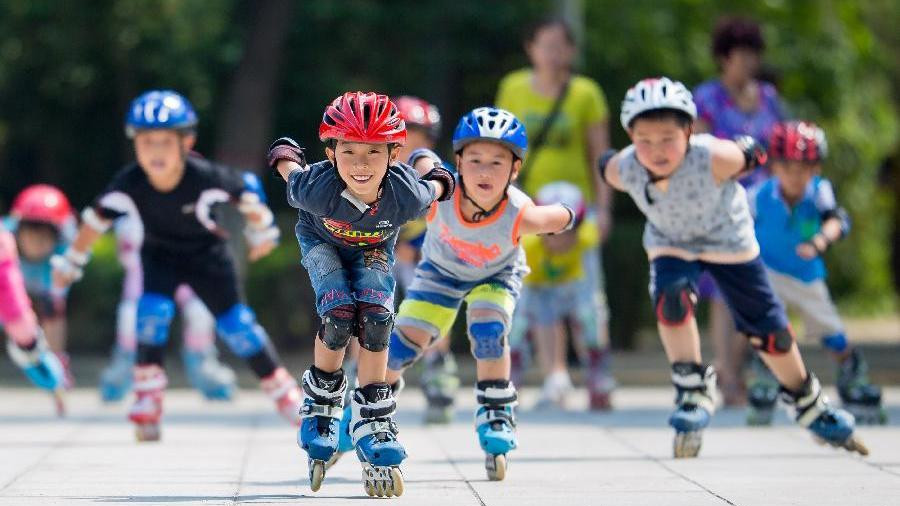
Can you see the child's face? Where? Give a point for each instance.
(660, 145)
(793, 177)
(485, 167)
(36, 241)
(416, 138)
(161, 154)
(362, 166)
(551, 49)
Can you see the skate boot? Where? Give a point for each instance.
(115, 380)
(323, 400)
(858, 395)
(600, 383)
(694, 406)
(828, 424)
(345, 440)
(375, 438)
(495, 423)
(149, 386)
(439, 384)
(41, 367)
(557, 387)
(281, 387)
(215, 380)
(762, 395)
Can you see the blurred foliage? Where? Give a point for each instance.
(68, 69)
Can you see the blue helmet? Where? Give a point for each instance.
(491, 123)
(160, 109)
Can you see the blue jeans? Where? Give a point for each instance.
(345, 276)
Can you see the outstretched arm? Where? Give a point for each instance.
(69, 267)
(549, 219)
(730, 159)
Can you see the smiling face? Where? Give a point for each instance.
(485, 167)
(362, 166)
(660, 144)
(161, 155)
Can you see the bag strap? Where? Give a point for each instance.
(541, 136)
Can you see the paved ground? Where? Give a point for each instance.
(242, 453)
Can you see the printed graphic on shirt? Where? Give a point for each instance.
(345, 232)
(473, 253)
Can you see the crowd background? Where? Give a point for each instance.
(257, 69)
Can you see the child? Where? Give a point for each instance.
(42, 221)
(557, 290)
(350, 208)
(698, 219)
(472, 252)
(26, 344)
(174, 194)
(215, 380)
(797, 218)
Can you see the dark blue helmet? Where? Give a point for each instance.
(494, 124)
(160, 109)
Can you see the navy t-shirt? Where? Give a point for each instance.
(328, 211)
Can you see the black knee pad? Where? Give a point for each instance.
(778, 342)
(375, 325)
(674, 305)
(338, 326)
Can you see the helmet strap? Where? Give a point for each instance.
(483, 213)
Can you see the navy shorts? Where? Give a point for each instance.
(756, 309)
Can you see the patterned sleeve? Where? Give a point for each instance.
(116, 200)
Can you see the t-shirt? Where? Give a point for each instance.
(695, 215)
(565, 154)
(780, 228)
(181, 221)
(329, 212)
(726, 120)
(551, 268)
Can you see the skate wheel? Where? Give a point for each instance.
(316, 474)
(855, 444)
(147, 432)
(397, 481)
(496, 467)
(687, 444)
(333, 460)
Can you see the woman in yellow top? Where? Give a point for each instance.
(574, 141)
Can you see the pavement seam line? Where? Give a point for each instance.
(236, 498)
(664, 466)
(456, 468)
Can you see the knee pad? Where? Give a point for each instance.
(488, 336)
(240, 331)
(338, 325)
(778, 342)
(402, 352)
(674, 305)
(154, 315)
(375, 325)
(835, 342)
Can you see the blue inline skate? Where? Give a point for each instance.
(829, 425)
(858, 394)
(375, 438)
(694, 406)
(41, 367)
(762, 394)
(115, 380)
(495, 424)
(215, 380)
(323, 402)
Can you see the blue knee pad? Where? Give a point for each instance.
(402, 352)
(488, 339)
(241, 333)
(154, 315)
(835, 342)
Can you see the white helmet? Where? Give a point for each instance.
(656, 93)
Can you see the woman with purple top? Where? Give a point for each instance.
(735, 103)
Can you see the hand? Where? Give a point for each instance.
(807, 251)
(261, 250)
(67, 268)
(261, 241)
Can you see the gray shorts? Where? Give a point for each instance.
(811, 300)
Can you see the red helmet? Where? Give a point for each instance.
(363, 117)
(43, 203)
(418, 112)
(800, 141)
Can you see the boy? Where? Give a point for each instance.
(350, 208)
(174, 194)
(698, 219)
(558, 290)
(472, 252)
(797, 218)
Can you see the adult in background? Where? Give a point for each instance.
(735, 103)
(565, 116)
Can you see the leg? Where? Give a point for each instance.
(215, 380)
(154, 315)
(115, 380)
(589, 325)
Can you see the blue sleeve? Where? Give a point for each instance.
(252, 184)
(315, 188)
(414, 196)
